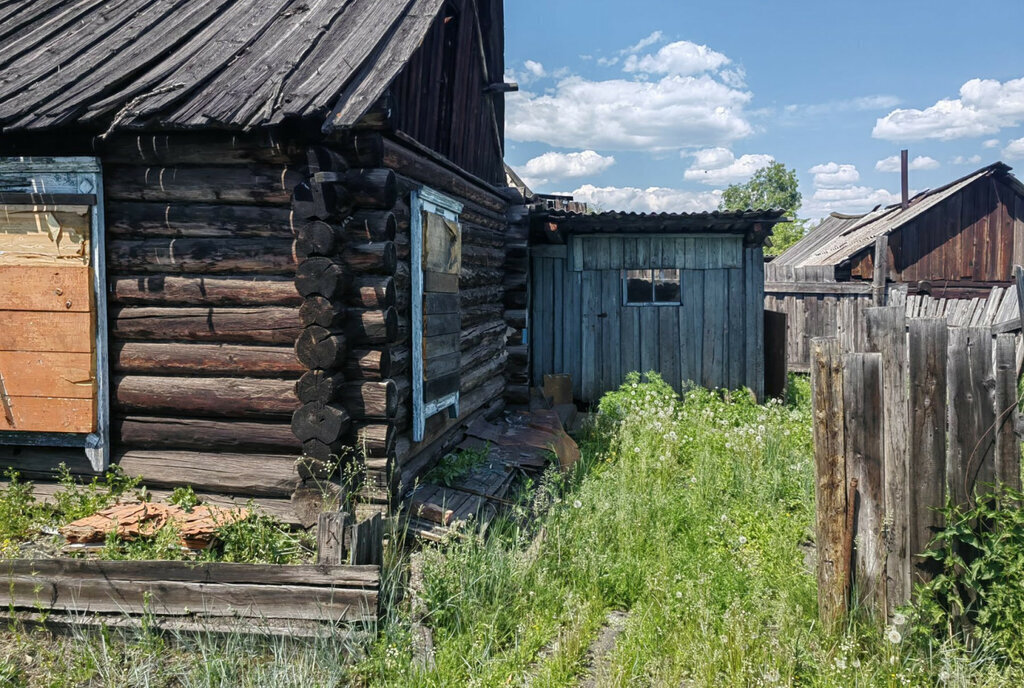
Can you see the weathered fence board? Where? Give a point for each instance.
(829, 478)
(927, 446)
(971, 453)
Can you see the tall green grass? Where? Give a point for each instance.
(693, 515)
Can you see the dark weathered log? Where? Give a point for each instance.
(400, 358)
(271, 475)
(317, 310)
(165, 290)
(255, 184)
(471, 378)
(371, 188)
(318, 347)
(209, 256)
(367, 226)
(365, 399)
(318, 238)
(417, 165)
(517, 355)
(197, 148)
(205, 359)
(486, 256)
(489, 294)
(471, 336)
(323, 159)
(319, 385)
(374, 440)
(517, 394)
(476, 235)
(471, 315)
(324, 422)
(204, 396)
(126, 219)
(373, 327)
(312, 200)
(379, 257)
(516, 318)
(194, 433)
(322, 276)
(322, 450)
(372, 291)
(475, 276)
(362, 149)
(369, 364)
(515, 299)
(268, 325)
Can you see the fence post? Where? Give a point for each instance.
(829, 477)
(887, 335)
(927, 446)
(971, 454)
(865, 461)
(330, 537)
(880, 270)
(1007, 448)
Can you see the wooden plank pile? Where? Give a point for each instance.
(523, 443)
(927, 411)
(172, 592)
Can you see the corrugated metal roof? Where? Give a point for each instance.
(840, 237)
(189, 64)
(772, 216)
(755, 225)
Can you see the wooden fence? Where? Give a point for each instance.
(924, 410)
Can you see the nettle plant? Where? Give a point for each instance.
(977, 596)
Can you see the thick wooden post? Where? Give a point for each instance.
(368, 542)
(829, 477)
(886, 335)
(865, 461)
(970, 459)
(927, 446)
(1007, 447)
(330, 538)
(881, 270)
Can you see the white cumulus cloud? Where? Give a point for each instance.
(553, 166)
(990, 143)
(619, 114)
(984, 107)
(534, 68)
(654, 199)
(833, 175)
(719, 166)
(966, 160)
(646, 42)
(892, 163)
(1014, 149)
(850, 199)
(681, 58)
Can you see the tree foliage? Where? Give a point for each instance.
(773, 187)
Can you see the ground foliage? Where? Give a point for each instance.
(693, 515)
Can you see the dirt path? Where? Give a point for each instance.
(599, 653)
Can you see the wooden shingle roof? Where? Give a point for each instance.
(192, 64)
(840, 237)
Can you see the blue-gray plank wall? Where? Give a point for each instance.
(580, 324)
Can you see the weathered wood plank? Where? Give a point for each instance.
(829, 479)
(886, 335)
(971, 454)
(865, 461)
(64, 288)
(1007, 445)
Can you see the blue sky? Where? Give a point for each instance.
(656, 105)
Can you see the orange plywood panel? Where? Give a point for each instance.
(47, 374)
(46, 331)
(65, 288)
(39, 414)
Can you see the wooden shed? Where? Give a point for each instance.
(681, 294)
(952, 248)
(240, 232)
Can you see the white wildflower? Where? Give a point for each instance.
(893, 635)
(742, 540)
(898, 619)
(724, 518)
(679, 595)
(577, 504)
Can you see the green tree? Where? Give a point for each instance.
(773, 187)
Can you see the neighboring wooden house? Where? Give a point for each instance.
(952, 247)
(237, 232)
(681, 294)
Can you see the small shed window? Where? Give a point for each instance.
(653, 287)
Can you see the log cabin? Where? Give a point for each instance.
(946, 252)
(240, 236)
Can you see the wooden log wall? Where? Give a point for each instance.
(393, 460)
(203, 315)
(517, 306)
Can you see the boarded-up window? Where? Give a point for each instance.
(436, 263)
(52, 335)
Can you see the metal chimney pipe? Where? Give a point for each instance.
(904, 178)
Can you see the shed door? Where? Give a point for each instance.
(47, 338)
